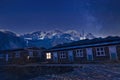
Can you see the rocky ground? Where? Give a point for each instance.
(91, 72)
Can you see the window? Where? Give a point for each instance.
(48, 55)
(62, 54)
(10, 55)
(28, 57)
(100, 51)
(17, 54)
(79, 52)
(1, 56)
(30, 54)
(39, 54)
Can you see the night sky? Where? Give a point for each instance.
(100, 17)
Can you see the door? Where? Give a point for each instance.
(113, 53)
(89, 54)
(55, 57)
(70, 56)
(6, 58)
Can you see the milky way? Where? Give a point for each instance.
(100, 17)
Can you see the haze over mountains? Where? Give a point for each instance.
(47, 39)
(9, 40)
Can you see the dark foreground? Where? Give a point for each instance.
(91, 72)
(85, 72)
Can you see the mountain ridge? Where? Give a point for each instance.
(47, 39)
(54, 37)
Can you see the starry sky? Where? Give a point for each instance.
(100, 17)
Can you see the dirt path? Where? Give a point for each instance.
(91, 72)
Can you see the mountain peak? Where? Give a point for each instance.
(90, 36)
(71, 31)
(45, 39)
(54, 37)
(8, 33)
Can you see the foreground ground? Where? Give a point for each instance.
(91, 72)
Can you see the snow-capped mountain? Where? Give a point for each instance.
(47, 39)
(52, 38)
(35, 35)
(52, 34)
(90, 36)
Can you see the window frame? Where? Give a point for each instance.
(10, 55)
(1, 56)
(79, 53)
(17, 55)
(39, 54)
(48, 55)
(30, 54)
(101, 51)
(62, 55)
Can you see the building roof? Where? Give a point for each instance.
(88, 43)
(21, 49)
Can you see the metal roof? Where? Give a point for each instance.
(88, 43)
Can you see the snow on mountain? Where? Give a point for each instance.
(35, 35)
(52, 38)
(74, 35)
(51, 34)
(90, 36)
(47, 39)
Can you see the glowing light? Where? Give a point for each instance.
(48, 55)
(28, 57)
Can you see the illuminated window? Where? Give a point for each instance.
(48, 55)
(28, 57)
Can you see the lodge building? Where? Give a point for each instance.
(83, 51)
(95, 50)
(21, 56)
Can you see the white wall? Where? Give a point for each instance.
(70, 55)
(89, 53)
(113, 52)
(6, 57)
(55, 56)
